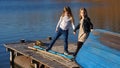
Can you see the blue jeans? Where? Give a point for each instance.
(57, 35)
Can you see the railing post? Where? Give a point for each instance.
(12, 57)
(36, 64)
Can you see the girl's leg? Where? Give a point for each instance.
(65, 34)
(79, 45)
(58, 34)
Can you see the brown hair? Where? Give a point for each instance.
(85, 13)
(67, 8)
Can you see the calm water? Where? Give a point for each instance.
(37, 19)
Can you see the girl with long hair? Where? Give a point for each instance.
(62, 28)
(84, 27)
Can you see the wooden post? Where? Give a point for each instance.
(42, 66)
(17, 54)
(36, 64)
(12, 57)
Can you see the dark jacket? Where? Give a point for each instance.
(87, 25)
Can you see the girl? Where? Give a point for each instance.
(63, 27)
(84, 27)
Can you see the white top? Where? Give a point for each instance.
(64, 23)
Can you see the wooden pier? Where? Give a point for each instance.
(32, 58)
(100, 50)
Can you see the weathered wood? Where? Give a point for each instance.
(32, 48)
(23, 61)
(56, 58)
(47, 54)
(36, 64)
(12, 57)
(17, 54)
(35, 55)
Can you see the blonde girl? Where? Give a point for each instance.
(84, 27)
(62, 28)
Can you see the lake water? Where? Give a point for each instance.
(37, 19)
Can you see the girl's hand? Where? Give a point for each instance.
(91, 30)
(70, 18)
(74, 33)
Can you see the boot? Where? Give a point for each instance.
(79, 45)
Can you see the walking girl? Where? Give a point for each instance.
(84, 27)
(62, 28)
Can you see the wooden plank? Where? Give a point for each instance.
(22, 49)
(56, 58)
(54, 53)
(12, 57)
(23, 62)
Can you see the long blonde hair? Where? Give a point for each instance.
(85, 13)
(67, 8)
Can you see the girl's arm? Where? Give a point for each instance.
(91, 25)
(72, 23)
(73, 26)
(58, 23)
(77, 27)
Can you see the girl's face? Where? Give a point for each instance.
(66, 13)
(82, 13)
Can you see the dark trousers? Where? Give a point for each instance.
(65, 37)
(79, 45)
